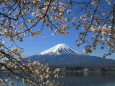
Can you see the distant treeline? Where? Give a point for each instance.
(84, 69)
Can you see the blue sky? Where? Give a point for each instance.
(38, 44)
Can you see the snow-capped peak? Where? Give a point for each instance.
(59, 49)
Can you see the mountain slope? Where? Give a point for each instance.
(63, 55)
(59, 49)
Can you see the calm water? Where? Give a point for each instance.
(90, 79)
(82, 79)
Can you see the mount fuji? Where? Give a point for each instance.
(62, 55)
(59, 49)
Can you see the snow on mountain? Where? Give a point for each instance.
(63, 55)
(59, 49)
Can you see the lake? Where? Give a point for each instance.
(90, 79)
(82, 79)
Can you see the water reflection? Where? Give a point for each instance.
(80, 79)
(17, 82)
(89, 79)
